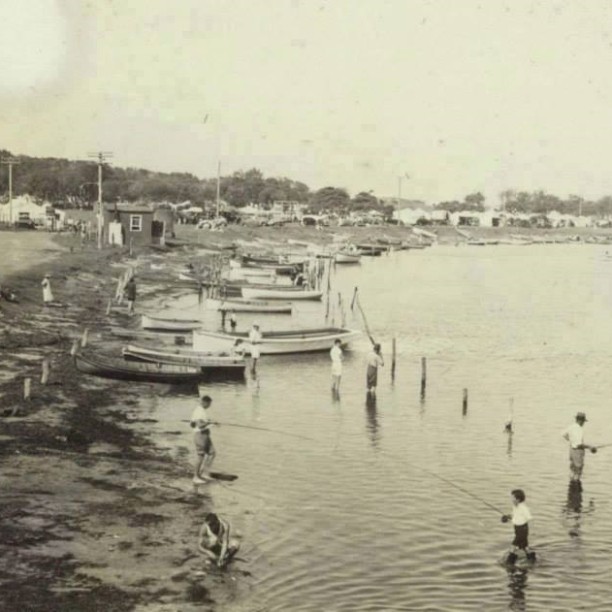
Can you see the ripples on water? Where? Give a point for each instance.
(348, 520)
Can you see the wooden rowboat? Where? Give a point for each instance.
(113, 367)
(290, 293)
(212, 363)
(242, 305)
(345, 257)
(180, 325)
(277, 342)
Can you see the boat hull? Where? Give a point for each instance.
(276, 343)
(249, 306)
(178, 325)
(107, 367)
(252, 293)
(212, 363)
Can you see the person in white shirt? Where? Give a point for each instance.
(574, 434)
(47, 292)
(336, 369)
(200, 421)
(374, 360)
(255, 339)
(520, 519)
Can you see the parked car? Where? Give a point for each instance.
(26, 224)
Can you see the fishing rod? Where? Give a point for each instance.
(452, 484)
(276, 431)
(365, 321)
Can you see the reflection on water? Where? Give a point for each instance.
(372, 420)
(517, 584)
(344, 518)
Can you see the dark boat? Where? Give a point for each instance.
(118, 368)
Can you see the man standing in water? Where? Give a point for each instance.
(336, 370)
(374, 360)
(255, 339)
(574, 434)
(200, 421)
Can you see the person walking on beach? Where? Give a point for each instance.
(46, 289)
(574, 434)
(374, 360)
(520, 516)
(255, 339)
(130, 294)
(215, 540)
(200, 421)
(336, 368)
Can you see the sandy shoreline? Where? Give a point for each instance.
(89, 506)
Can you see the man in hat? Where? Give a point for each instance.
(574, 434)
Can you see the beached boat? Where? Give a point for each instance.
(113, 367)
(213, 363)
(288, 293)
(180, 325)
(242, 305)
(371, 250)
(277, 342)
(347, 257)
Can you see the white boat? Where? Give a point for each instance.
(235, 275)
(276, 342)
(344, 257)
(253, 293)
(241, 305)
(148, 322)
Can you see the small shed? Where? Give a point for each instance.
(131, 224)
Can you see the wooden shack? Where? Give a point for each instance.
(126, 224)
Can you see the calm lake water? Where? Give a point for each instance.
(350, 516)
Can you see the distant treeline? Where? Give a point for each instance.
(537, 202)
(74, 183)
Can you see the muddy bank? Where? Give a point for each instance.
(93, 516)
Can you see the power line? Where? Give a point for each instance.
(101, 157)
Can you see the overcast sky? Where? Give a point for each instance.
(458, 96)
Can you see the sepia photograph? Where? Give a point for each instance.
(305, 306)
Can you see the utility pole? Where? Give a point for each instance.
(10, 162)
(101, 157)
(218, 187)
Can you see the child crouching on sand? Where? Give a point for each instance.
(520, 519)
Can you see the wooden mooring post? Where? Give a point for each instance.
(27, 388)
(465, 401)
(423, 376)
(393, 354)
(46, 369)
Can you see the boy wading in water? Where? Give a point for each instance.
(520, 519)
(214, 540)
(200, 421)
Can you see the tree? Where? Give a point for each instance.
(364, 201)
(329, 198)
(474, 201)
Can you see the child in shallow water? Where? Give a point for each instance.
(520, 519)
(215, 541)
